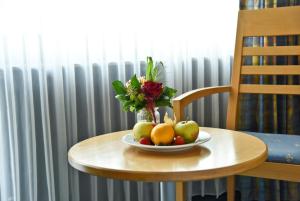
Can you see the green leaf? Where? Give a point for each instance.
(132, 108)
(138, 103)
(135, 82)
(118, 87)
(149, 69)
(122, 97)
(157, 70)
(155, 73)
(163, 102)
(170, 92)
(125, 109)
(139, 107)
(127, 104)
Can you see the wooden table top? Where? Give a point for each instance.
(226, 153)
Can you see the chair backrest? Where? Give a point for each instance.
(266, 22)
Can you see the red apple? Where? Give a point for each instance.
(178, 140)
(145, 140)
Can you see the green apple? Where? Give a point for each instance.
(189, 130)
(142, 129)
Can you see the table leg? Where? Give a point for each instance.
(230, 188)
(180, 191)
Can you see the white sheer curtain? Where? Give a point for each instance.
(57, 61)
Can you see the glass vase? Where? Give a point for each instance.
(145, 115)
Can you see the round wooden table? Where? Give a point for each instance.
(227, 153)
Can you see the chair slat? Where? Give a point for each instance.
(272, 51)
(271, 70)
(271, 21)
(269, 89)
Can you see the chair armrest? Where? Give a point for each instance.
(181, 101)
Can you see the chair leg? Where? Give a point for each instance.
(180, 191)
(230, 188)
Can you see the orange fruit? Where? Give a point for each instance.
(162, 134)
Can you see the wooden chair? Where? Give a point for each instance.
(267, 22)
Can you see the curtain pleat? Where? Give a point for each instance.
(44, 111)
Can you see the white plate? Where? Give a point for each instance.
(202, 137)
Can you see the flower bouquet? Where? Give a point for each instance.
(145, 92)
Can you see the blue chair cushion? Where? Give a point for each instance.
(282, 148)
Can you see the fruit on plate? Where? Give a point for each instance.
(189, 130)
(142, 129)
(162, 134)
(178, 140)
(145, 140)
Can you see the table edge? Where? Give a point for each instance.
(170, 176)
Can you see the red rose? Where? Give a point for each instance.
(152, 90)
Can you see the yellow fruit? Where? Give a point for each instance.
(162, 134)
